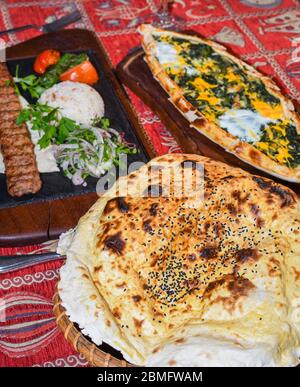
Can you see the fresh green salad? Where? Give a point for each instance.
(80, 151)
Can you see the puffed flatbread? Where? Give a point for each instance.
(170, 281)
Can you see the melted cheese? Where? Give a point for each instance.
(243, 124)
(166, 53)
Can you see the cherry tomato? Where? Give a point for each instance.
(85, 72)
(45, 59)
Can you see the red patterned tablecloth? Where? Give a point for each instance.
(265, 33)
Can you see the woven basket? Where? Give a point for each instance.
(94, 355)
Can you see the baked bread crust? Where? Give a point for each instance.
(170, 284)
(243, 150)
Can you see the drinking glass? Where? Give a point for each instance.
(163, 17)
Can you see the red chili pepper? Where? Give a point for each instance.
(85, 72)
(45, 59)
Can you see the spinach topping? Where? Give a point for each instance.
(274, 137)
(294, 138)
(234, 89)
(202, 50)
(258, 87)
(209, 78)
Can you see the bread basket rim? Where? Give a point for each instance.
(93, 354)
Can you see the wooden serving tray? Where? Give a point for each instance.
(134, 72)
(37, 222)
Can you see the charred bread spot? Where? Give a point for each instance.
(191, 257)
(232, 210)
(229, 177)
(98, 268)
(296, 273)
(122, 205)
(244, 255)
(110, 205)
(132, 176)
(138, 323)
(121, 285)
(259, 222)
(116, 313)
(191, 284)
(209, 252)
(237, 195)
(240, 286)
(254, 208)
(188, 230)
(137, 298)
(154, 261)
(115, 243)
(274, 267)
(157, 167)
(286, 196)
(214, 285)
(153, 209)
(262, 183)
(206, 226)
(217, 230)
(158, 314)
(147, 226)
(255, 156)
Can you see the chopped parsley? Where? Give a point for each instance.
(80, 151)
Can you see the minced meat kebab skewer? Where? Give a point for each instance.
(22, 175)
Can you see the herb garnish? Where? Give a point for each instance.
(35, 85)
(80, 151)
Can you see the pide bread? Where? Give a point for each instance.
(227, 100)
